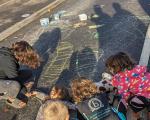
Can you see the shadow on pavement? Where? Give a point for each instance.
(82, 64)
(45, 46)
(121, 32)
(145, 4)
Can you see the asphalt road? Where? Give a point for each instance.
(13, 11)
(68, 52)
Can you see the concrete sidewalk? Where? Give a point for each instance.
(144, 59)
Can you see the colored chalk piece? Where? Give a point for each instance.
(95, 26)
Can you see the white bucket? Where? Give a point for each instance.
(44, 22)
(83, 17)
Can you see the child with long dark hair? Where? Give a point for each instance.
(132, 82)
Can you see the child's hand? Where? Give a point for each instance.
(30, 94)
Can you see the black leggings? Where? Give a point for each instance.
(24, 76)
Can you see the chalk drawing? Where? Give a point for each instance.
(132, 1)
(54, 68)
(85, 63)
(67, 33)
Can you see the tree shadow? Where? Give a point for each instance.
(121, 32)
(45, 46)
(82, 64)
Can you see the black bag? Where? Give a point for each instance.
(95, 108)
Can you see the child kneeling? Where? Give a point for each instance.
(132, 82)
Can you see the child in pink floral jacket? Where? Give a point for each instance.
(132, 81)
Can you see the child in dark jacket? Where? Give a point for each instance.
(12, 76)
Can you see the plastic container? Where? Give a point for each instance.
(44, 22)
(83, 17)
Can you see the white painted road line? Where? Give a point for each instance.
(6, 33)
(8, 2)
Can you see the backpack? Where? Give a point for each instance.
(95, 108)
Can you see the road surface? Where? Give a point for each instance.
(68, 51)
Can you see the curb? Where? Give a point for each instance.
(8, 2)
(14, 28)
(146, 49)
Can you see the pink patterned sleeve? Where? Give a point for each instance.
(114, 82)
(122, 86)
(140, 69)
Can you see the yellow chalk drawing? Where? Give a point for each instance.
(54, 68)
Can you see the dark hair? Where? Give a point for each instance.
(59, 92)
(119, 62)
(25, 54)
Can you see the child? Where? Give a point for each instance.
(90, 103)
(58, 92)
(53, 110)
(132, 82)
(11, 59)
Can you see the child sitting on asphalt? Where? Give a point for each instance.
(132, 82)
(58, 92)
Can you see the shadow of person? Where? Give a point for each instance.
(82, 64)
(45, 46)
(102, 19)
(145, 5)
(85, 63)
(121, 32)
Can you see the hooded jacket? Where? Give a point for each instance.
(133, 82)
(8, 64)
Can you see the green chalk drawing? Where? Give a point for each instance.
(77, 62)
(96, 35)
